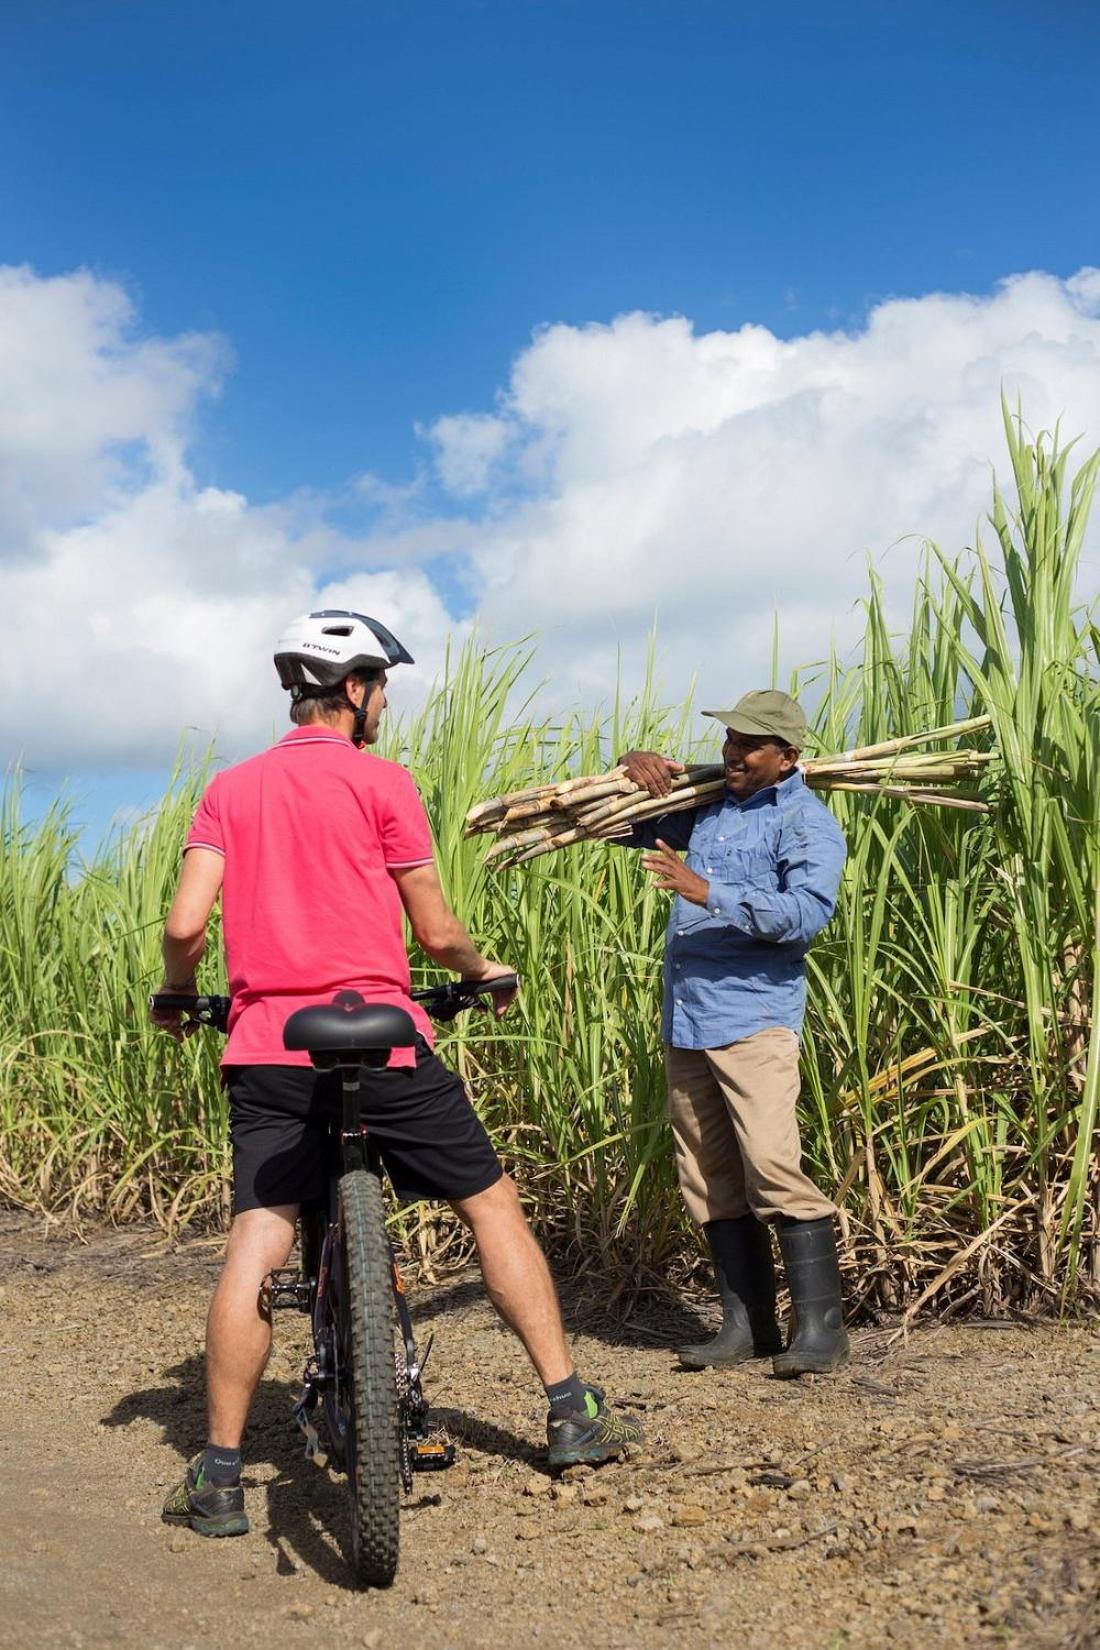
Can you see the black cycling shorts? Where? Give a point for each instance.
(431, 1140)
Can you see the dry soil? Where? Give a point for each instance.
(942, 1491)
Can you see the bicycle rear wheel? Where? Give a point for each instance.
(369, 1380)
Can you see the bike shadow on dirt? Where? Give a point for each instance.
(306, 1504)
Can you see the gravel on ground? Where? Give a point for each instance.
(942, 1491)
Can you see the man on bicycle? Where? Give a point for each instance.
(316, 850)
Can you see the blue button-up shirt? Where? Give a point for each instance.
(737, 965)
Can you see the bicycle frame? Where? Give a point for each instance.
(419, 1452)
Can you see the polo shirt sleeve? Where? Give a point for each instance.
(206, 827)
(406, 834)
(811, 858)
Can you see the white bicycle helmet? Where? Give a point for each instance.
(318, 650)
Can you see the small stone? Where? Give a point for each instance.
(299, 1610)
(799, 1490)
(936, 1492)
(372, 1638)
(528, 1532)
(536, 1485)
(595, 1495)
(178, 1543)
(424, 1596)
(686, 1452)
(688, 1517)
(1079, 1518)
(479, 1545)
(987, 1504)
(633, 1504)
(565, 1493)
(649, 1524)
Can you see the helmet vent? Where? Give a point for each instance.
(336, 630)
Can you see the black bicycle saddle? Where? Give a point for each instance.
(349, 1031)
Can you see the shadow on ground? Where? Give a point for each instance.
(306, 1502)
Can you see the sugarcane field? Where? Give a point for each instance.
(937, 1484)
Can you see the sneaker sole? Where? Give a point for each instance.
(593, 1455)
(208, 1526)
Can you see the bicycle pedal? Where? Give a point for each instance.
(287, 1290)
(430, 1455)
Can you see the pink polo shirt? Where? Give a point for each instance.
(311, 831)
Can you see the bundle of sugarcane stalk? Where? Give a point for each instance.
(602, 807)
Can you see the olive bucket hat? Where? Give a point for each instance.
(766, 714)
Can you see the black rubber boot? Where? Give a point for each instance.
(818, 1341)
(743, 1269)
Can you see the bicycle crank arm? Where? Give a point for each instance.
(303, 1411)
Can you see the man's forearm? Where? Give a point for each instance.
(181, 959)
(780, 918)
(454, 949)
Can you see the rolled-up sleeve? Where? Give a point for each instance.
(810, 862)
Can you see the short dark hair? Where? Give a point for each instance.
(323, 704)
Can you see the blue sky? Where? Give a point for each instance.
(374, 206)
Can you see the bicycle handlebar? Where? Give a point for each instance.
(206, 1011)
(443, 1002)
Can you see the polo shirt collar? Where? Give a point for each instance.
(316, 734)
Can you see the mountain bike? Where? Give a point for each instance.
(365, 1372)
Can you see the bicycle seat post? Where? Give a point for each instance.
(346, 1035)
(351, 1128)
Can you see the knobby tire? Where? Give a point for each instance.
(373, 1463)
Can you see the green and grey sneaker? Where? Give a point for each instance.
(597, 1434)
(211, 1509)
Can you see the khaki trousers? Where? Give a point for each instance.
(733, 1119)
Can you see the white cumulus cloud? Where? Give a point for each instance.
(643, 471)
(626, 474)
(140, 604)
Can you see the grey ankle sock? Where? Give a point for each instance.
(567, 1397)
(221, 1466)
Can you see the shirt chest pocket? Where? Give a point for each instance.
(750, 863)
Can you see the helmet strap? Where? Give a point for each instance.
(360, 710)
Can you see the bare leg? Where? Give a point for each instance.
(517, 1277)
(238, 1326)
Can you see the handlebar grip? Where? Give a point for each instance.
(506, 982)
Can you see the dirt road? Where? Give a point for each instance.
(942, 1492)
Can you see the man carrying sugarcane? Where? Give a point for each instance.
(758, 883)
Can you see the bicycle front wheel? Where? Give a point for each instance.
(370, 1383)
